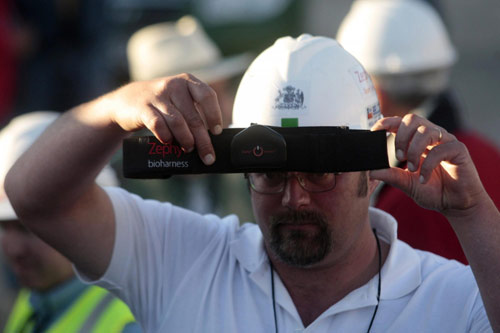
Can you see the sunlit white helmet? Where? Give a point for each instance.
(15, 138)
(307, 81)
(396, 36)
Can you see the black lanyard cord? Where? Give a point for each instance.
(379, 289)
(274, 298)
(379, 279)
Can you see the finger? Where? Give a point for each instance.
(196, 125)
(393, 176)
(207, 103)
(175, 119)
(204, 146)
(179, 127)
(183, 118)
(187, 136)
(425, 137)
(448, 155)
(201, 138)
(202, 116)
(153, 120)
(440, 134)
(390, 124)
(406, 131)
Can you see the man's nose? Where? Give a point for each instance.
(294, 196)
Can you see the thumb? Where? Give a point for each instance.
(393, 176)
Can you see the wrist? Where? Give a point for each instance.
(100, 114)
(482, 209)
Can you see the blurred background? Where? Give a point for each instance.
(55, 54)
(58, 53)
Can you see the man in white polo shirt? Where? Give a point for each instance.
(318, 260)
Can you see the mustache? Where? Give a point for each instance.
(295, 217)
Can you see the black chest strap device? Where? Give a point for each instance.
(261, 149)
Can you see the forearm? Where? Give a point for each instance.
(63, 163)
(52, 187)
(479, 235)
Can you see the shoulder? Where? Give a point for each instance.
(129, 206)
(446, 281)
(410, 271)
(440, 269)
(442, 292)
(434, 270)
(123, 200)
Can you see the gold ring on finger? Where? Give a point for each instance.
(440, 134)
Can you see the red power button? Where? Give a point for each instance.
(258, 151)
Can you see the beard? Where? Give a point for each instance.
(300, 247)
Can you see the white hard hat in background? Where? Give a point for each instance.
(171, 48)
(308, 81)
(19, 135)
(396, 36)
(15, 138)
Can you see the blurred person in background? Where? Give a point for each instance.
(406, 49)
(174, 47)
(51, 298)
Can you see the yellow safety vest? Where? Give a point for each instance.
(95, 311)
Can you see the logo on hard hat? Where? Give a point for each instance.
(373, 114)
(363, 81)
(289, 98)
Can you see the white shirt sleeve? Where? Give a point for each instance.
(156, 244)
(479, 320)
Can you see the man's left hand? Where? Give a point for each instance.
(440, 174)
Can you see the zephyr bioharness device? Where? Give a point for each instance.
(261, 149)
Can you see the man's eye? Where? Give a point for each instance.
(319, 176)
(272, 176)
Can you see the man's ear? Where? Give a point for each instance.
(372, 184)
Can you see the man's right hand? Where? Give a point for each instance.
(179, 107)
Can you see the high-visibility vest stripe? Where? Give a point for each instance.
(19, 314)
(74, 318)
(94, 311)
(114, 319)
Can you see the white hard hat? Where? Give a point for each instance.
(396, 36)
(308, 81)
(171, 48)
(15, 138)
